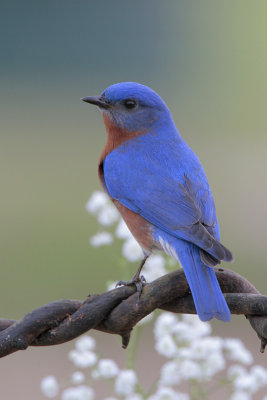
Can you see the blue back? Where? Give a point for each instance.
(158, 176)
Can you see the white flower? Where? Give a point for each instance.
(203, 348)
(182, 332)
(240, 396)
(214, 363)
(166, 346)
(164, 324)
(246, 383)
(185, 353)
(170, 374)
(234, 371)
(49, 386)
(190, 370)
(155, 261)
(122, 231)
(125, 382)
(97, 201)
(166, 393)
(259, 374)
(190, 329)
(85, 343)
(236, 351)
(83, 359)
(200, 328)
(77, 377)
(154, 267)
(101, 239)
(108, 215)
(108, 368)
(78, 393)
(131, 250)
(134, 396)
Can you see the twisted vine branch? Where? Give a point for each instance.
(119, 310)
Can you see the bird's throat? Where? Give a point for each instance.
(116, 136)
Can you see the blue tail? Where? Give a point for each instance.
(208, 298)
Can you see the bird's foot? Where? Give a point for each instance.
(138, 281)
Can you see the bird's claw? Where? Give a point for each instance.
(138, 282)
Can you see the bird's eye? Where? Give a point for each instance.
(129, 103)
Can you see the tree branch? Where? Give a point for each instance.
(119, 310)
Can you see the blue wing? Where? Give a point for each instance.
(163, 181)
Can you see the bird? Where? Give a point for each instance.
(159, 186)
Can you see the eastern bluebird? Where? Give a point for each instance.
(160, 188)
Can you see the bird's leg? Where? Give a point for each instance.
(137, 280)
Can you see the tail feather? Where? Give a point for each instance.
(200, 235)
(208, 298)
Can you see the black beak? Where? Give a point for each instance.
(97, 101)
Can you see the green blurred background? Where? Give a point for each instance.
(206, 58)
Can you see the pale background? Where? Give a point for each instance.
(207, 59)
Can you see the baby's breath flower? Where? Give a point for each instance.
(134, 396)
(131, 250)
(125, 382)
(246, 383)
(97, 201)
(107, 368)
(164, 324)
(166, 346)
(240, 396)
(101, 239)
(234, 371)
(154, 267)
(108, 215)
(199, 328)
(182, 332)
(49, 386)
(85, 343)
(78, 393)
(170, 374)
(77, 377)
(236, 351)
(190, 370)
(166, 393)
(82, 359)
(259, 374)
(155, 261)
(185, 353)
(122, 231)
(214, 363)
(203, 348)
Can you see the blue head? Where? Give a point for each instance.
(132, 106)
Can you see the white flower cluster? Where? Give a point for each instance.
(83, 357)
(107, 215)
(193, 355)
(196, 357)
